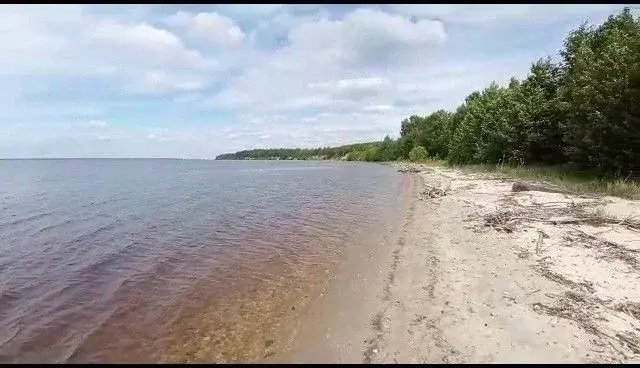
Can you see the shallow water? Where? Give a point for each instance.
(172, 260)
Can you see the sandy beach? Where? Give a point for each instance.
(478, 273)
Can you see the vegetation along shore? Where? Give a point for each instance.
(575, 121)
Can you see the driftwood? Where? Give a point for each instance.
(409, 170)
(433, 192)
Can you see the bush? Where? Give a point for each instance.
(418, 153)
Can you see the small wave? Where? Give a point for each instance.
(164, 267)
(8, 335)
(7, 297)
(101, 266)
(51, 227)
(87, 236)
(103, 202)
(75, 348)
(26, 219)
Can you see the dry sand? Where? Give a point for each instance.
(480, 274)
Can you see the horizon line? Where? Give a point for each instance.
(102, 158)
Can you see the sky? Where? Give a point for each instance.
(195, 81)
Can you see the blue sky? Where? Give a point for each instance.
(194, 81)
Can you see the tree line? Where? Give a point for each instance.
(325, 153)
(582, 111)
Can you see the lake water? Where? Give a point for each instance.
(138, 260)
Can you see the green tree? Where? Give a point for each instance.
(407, 125)
(543, 130)
(599, 95)
(418, 153)
(433, 133)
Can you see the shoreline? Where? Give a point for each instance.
(336, 326)
(476, 273)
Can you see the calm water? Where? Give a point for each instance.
(172, 260)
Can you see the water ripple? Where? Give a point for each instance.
(104, 260)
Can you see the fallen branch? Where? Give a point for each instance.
(539, 243)
(593, 237)
(533, 292)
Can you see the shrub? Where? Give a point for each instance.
(418, 153)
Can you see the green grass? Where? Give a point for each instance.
(581, 182)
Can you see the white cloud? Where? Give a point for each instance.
(244, 11)
(247, 75)
(354, 88)
(28, 38)
(70, 42)
(136, 36)
(325, 59)
(499, 14)
(145, 45)
(144, 59)
(161, 82)
(98, 123)
(365, 37)
(209, 26)
(379, 108)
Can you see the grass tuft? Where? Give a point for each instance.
(580, 182)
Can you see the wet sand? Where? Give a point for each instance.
(476, 273)
(337, 326)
